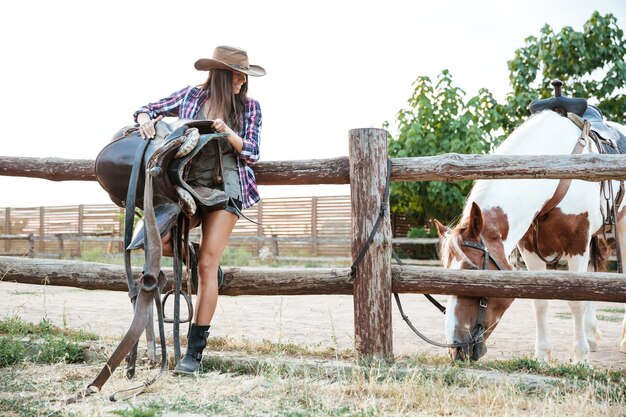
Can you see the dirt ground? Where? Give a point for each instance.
(317, 322)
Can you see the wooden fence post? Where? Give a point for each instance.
(7, 228)
(372, 281)
(81, 220)
(314, 226)
(31, 245)
(42, 228)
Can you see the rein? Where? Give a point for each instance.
(478, 331)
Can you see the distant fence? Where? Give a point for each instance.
(293, 229)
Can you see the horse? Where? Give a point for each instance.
(500, 216)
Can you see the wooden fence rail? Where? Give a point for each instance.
(447, 167)
(559, 285)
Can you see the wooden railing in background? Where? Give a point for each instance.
(294, 229)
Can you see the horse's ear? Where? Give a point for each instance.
(476, 221)
(441, 229)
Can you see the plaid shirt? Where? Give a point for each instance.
(186, 104)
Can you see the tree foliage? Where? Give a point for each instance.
(590, 64)
(439, 119)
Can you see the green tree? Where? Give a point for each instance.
(439, 119)
(590, 64)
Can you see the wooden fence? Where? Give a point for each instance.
(365, 170)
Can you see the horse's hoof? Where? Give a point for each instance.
(544, 356)
(192, 138)
(582, 362)
(594, 342)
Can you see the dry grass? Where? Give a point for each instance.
(247, 379)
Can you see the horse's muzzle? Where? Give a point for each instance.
(473, 352)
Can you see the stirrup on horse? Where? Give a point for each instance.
(194, 249)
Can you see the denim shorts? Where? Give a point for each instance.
(234, 206)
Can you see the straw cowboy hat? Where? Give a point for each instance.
(229, 58)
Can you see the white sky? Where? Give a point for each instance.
(73, 72)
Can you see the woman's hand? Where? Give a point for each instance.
(221, 127)
(146, 125)
(233, 138)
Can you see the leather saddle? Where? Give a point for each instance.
(168, 156)
(614, 141)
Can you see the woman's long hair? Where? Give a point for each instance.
(221, 101)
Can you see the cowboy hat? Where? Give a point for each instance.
(229, 58)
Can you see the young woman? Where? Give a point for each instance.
(222, 99)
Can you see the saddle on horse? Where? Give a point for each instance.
(609, 139)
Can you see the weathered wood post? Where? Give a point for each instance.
(372, 281)
(81, 221)
(314, 226)
(7, 229)
(31, 245)
(42, 228)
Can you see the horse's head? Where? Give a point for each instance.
(472, 244)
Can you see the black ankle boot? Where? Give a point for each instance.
(190, 364)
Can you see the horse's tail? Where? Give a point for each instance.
(599, 254)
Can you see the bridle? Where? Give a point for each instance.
(487, 256)
(479, 328)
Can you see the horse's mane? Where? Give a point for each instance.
(450, 247)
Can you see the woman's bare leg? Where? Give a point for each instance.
(216, 229)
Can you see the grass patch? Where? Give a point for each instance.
(184, 405)
(236, 257)
(572, 372)
(612, 319)
(17, 292)
(21, 407)
(99, 255)
(11, 351)
(141, 411)
(59, 349)
(14, 325)
(617, 310)
(41, 343)
(266, 347)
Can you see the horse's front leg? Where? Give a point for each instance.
(592, 330)
(543, 345)
(579, 263)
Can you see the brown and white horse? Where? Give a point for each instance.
(498, 217)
